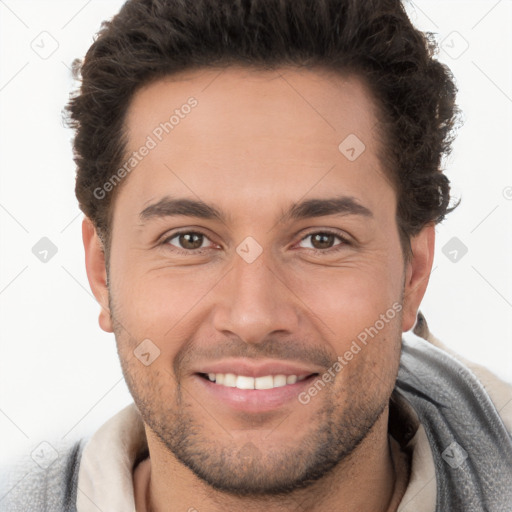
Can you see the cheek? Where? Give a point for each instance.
(357, 309)
(351, 297)
(154, 304)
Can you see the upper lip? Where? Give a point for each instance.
(250, 368)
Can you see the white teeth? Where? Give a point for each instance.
(230, 380)
(244, 382)
(266, 382)
(279, 380)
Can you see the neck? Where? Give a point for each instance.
(373, 477)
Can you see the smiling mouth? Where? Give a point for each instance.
(232, 380)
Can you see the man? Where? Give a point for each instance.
(261, 181)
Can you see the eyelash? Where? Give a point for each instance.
(344, 242)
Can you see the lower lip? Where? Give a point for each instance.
(254, 400)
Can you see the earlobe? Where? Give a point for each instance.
(417, 274)
(96, 271)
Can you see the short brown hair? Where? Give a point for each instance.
(373, 39)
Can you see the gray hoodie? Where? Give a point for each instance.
(471, 447)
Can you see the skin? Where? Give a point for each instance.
(257, 143)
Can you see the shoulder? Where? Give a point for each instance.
(44, 480)
(498, 390)
(464, 410)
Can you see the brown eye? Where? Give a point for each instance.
(189, 240)
(323, 240)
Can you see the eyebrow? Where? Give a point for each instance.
(169, 207)
(343, 205)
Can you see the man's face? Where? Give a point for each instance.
(271, 287)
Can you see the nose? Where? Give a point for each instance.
(254, 302)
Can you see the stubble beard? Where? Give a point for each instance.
(265, 465)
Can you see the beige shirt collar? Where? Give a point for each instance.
(105, 479)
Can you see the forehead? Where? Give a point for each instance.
(247, 129)
(329, 104)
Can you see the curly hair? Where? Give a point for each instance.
(372, 39)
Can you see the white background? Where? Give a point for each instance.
(59, 373)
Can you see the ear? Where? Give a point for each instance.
(96, 271)
(417, 274)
